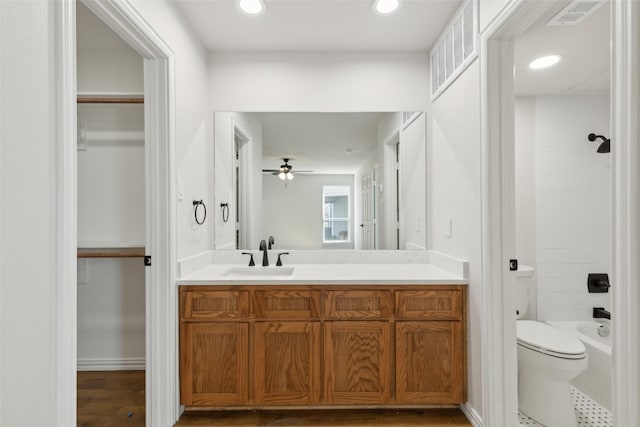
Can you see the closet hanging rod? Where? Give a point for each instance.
(111, 253)
(109, 100)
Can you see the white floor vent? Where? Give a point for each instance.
(576, 12)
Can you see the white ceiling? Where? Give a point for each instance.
(318, 25)
(585, 68)
(319, 141)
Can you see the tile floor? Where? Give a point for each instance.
(588, 412)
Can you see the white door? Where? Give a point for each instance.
(369, 224)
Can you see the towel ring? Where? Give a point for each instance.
(197, 204)
(225, 211)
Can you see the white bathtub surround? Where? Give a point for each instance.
(390, 264)
(572, 204)
(595, 381)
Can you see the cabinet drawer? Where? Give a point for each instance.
(295, 304)
(207, 305)
(432, 304)
(358, 304)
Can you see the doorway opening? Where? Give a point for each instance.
(161, 403)
(500, 363)
(557, 172)
(112, 226)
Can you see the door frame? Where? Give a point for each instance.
(500, 404)
(162, 407)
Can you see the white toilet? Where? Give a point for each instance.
(548, 358)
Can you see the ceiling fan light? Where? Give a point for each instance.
(289, 176)
(385, 7)
(252, 7)
(282, 176)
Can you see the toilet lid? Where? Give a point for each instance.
(549, 340)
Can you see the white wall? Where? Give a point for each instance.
(224, 172)
(573, 202)
(319, 81)
(111, 178)
(293, 214)
(525, 189)
(454, 191)
(194, 123)
(111, 315)
(110, 71)
(27, 215)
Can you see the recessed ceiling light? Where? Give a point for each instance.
(252, 7)
(545, 61)
(385, 7)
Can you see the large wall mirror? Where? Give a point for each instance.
(320, 181)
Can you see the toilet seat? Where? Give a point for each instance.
(549, 340)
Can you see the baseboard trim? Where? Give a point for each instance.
(471, 414)
(117, 364)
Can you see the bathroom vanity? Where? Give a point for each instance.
(251, 342)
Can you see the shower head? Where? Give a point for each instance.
(605, 147)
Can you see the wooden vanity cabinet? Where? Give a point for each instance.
(214, 352)
(430, 346)
(314, 346)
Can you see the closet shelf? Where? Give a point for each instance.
(110, 100)
(111, 252)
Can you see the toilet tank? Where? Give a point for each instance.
(524, 279)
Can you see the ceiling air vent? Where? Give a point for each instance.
(576, 12)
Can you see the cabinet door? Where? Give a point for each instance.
(214, 363)
(287, 362)
(430, 362)
(357, 361)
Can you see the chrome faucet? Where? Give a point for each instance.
(265, 257)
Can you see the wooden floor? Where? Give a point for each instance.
(116, 398)
(329, 418)
(111, 399)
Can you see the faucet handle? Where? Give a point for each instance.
(279, 262)
(251, 263)
(263, 245)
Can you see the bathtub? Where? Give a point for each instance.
(595, 381)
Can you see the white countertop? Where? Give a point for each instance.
(326, 274)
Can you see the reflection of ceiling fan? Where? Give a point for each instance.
(285, 172)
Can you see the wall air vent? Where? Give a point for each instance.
(455, 49)
(576, 12)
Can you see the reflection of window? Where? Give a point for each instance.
(336, 213)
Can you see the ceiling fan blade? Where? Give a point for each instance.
(270, 170)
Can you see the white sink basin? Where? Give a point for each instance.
(259, 272)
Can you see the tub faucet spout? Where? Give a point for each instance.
(601, 313)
